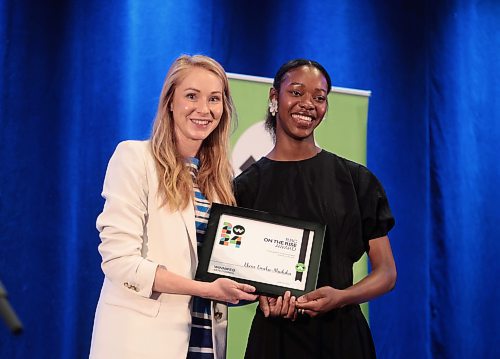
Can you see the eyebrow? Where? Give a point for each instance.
(196, 90)
(301, 84)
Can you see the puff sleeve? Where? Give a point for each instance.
(376, 216)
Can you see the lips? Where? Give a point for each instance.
(200, 122)
(302, 117)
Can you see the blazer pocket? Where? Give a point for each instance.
(122, 298)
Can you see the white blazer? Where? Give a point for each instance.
(137, 234)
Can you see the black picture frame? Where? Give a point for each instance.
(212, 239)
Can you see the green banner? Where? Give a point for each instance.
(343, 131)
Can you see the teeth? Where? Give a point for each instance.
(201, 122)
(302, 117)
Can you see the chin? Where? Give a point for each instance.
(201, 136)
(300, 136)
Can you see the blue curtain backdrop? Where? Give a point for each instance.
(79, 76)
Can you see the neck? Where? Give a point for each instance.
(293, 150)
(188, 148)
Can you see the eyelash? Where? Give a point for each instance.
(192, 96)
(317, 98)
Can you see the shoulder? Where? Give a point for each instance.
(132, 148)
(362, 177)
(132, 154)
(339, 163)
(130, 159)
(365, 181)
(357, 170)
(255, 171)
(249, 174)
(361, 173)
(246, 184)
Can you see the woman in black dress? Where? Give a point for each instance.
(300, 180)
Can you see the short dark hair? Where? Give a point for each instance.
(278, 78)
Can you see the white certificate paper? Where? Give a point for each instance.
(262, 252)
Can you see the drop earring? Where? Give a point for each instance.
(273, 107)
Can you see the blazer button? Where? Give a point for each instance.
(126, 285)
(218, 316)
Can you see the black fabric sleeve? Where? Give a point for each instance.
(376, 215)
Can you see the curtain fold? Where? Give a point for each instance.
(464, 126)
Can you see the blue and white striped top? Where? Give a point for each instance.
(200, 342)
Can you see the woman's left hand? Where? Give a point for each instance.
(320, 301)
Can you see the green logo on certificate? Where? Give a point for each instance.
(300, 267)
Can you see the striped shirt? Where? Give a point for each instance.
(200, 342)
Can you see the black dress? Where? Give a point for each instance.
(350, 200)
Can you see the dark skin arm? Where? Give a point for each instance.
(380, 280)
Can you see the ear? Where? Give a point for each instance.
(273, 94)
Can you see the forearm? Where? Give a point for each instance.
(168, 282)
(222, 289)
(381, 279)
(376, 283)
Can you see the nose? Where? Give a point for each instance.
(307, 103)
(203, 107)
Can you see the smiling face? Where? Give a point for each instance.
(197, 107)
(302, 103)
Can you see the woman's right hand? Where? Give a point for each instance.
(283, 306)
(227, 290)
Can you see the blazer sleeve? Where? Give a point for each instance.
(123, 220)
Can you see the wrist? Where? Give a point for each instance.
(202, 289)
(345, 298)
(157, 281)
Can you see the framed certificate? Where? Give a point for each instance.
(273, 253)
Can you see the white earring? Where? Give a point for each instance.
(273, 107)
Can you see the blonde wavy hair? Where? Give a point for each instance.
(215, 173)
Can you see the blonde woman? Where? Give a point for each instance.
(158, 194)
